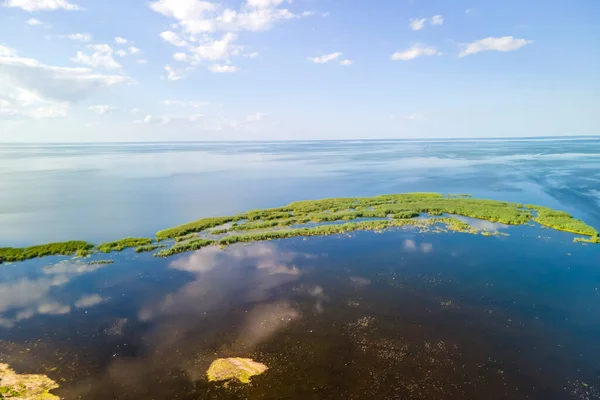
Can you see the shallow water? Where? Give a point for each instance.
(393, 315)
(387, 315)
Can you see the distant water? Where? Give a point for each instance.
(366, 315)
(107, 191)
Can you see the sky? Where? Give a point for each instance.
(203, 70)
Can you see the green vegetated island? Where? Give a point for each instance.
(425, 211)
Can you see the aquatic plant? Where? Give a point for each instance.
(183, 247)
(186, 237)
(241, 369)
(148, 248)
(388, 210)
(9, 254)
(561, 221)
(100, 262)
(120, 245)
(23, 386)
(196, 226)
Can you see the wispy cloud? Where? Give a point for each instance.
(414, 52)
(326, 58)
(505, 43)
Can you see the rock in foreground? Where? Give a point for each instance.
(241, 369)
(25, 387)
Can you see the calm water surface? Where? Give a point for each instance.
(397, 315)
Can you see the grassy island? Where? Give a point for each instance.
(431, 211)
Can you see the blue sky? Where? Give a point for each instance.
(160, 70)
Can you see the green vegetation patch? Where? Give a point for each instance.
(191, 227)
(26, 387)
(240, 369)
(390, 210)
(561, 221)
(100, 262)
(8, 254)
(148, 248)
(183, 247)
(122, 244)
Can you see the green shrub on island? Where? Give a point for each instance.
(122, 244)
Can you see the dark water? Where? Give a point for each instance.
(382, 316)
(397, 315)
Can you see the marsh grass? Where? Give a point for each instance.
(122, 244)
(9, 254)
(149, 247)
(393, 210)
(183, 247)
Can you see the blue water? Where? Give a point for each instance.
(393, 315)
(107, 191)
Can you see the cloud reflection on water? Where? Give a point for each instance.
(227, 309)
(24, 297)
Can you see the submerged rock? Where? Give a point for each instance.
(25, 387)
(242, 369)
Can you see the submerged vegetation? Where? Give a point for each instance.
(337, 215)
(26, 387)
(100, 262)
(240, 369)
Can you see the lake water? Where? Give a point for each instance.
(394, 315)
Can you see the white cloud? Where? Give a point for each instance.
(198, 21)
(173, 38)
(135, 110)
(173, 74)
(79, 37)
(142, 61)
(102, 109)
(264, 3)
(505, 43)
(469, 11)
(34, 22)
(252, 55)
(185, 103)
(121, 53)
(62, 84)
(414, 52)
(168, 119)
(133, 50)
(416, 24)
(120, 40)
(41, 5)
(256, 117)
(102, 57)
(220, 68)
(346, 62)
(214, 50)
(437, 20)
(326, 58)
